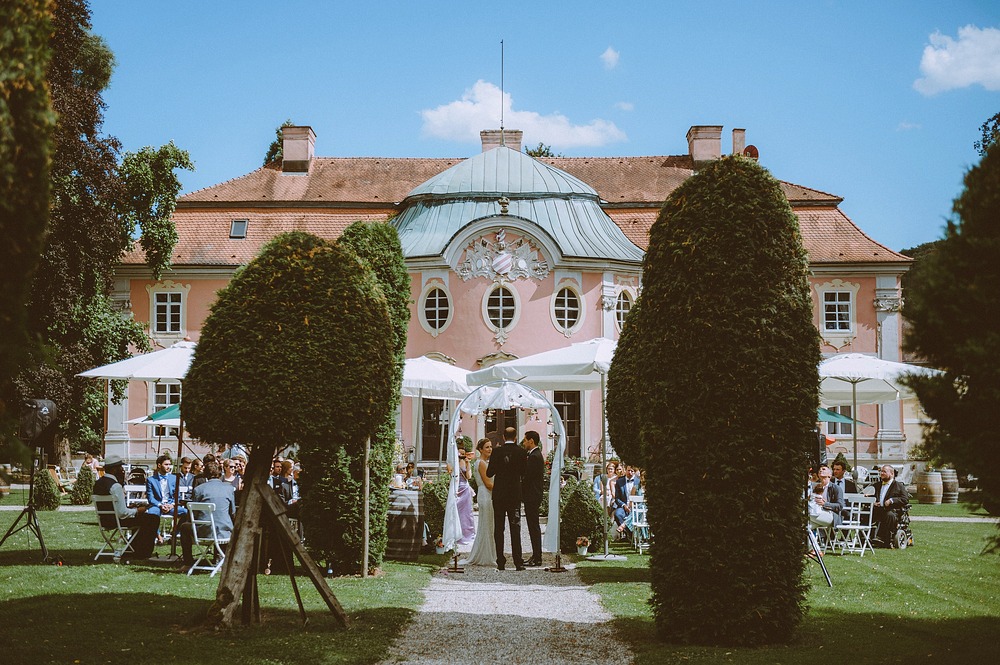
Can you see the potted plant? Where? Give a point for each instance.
(439, 545)
(582, 544)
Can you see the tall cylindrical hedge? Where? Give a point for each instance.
(726, 396)
(622, 405)
(377, 246)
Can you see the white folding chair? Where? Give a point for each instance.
(117, 538)
(206, 547)
(854, 534)
(640, 526)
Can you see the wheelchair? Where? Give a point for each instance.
(903, 536)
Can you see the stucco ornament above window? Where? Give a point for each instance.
(498, 260)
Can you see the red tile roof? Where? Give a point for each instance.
(340, 190)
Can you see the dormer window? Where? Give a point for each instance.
(238, 228)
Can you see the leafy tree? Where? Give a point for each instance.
(918, 254)
(990, 131)
(274, 151)
(378, 246)
(541, 150)
(96, 205)
(953, 308)
(725, 335)
(26, 126)
(297, 349)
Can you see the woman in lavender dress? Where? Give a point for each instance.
(464, 495)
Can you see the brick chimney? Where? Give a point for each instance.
(511, 138)
(704, 143)
(739, 141)
(298, 145)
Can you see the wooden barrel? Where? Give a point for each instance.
(949, 486)
(928, 487)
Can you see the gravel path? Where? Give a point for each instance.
(485, 615)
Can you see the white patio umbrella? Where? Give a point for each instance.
(856, 378)
(424, 377)
(169, 364)
(580, 366)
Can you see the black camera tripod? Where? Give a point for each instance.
(29, 514)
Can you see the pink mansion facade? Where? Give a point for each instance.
(508, 256)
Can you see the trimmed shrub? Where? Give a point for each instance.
(83, 487)
(580, 515)
(725, 335)
(435, 498)
(47, 495)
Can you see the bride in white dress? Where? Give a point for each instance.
(484, 549)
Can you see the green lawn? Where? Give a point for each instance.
(85, 612)
(938, 600)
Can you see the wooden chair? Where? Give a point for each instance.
(117, 538)
(206, 547)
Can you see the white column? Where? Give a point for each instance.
(887, 309)
(116, 440)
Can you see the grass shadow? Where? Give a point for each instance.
(131, 627)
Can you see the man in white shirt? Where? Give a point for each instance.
(891, 500)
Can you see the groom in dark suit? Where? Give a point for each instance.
(531, 493)
(506, 468)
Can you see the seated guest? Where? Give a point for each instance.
(398, 481)
(414, 477)
(624, 488)
(146, 524)
(229, 474)
(275, 479)
(161, 488)
(199, 476)
(846, 485)
(213, 490)
(636, 492)
(602, 482)
(891, 501)
(289, 488)
(186, 477)
(829, 500)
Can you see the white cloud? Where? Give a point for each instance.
(610, 58)
(625, 106)
(479, 108)
(906, 125)
(947, 64)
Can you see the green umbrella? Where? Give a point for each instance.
(828, 416)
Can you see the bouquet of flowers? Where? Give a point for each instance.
(583, 541)
(439, 543)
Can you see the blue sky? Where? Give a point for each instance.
(877, 102)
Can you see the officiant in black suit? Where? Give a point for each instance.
(506, 468)
(531, 493)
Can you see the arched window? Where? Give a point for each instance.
(501, 308)
(436, 309)
(622, 306)
(566, 309)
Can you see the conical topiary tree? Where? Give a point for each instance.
(726, 395)
(83, 488)
(297, 350)
(622, 403)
